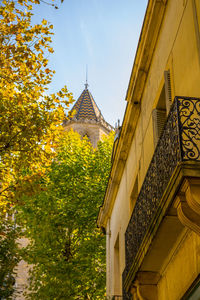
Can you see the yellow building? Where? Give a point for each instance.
(151, 210)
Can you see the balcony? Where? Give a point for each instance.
(117, 297)
(179, 144)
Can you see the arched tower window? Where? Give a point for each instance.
(87, 135)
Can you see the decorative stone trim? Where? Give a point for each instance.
(145, 286)
(99, 121)
(188, 204)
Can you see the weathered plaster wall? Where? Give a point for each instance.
(176, 50)
(182, 268)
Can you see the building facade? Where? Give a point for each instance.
(151, 210)
(87, 119)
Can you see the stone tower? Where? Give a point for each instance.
(87, 119)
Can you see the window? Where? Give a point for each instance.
(168, 90)
(159, 114)
(87, 136)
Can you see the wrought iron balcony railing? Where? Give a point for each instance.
(179, 141)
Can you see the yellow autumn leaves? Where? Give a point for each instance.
(30, 120)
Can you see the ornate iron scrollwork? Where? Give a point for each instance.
(189, 120)
(179, 141)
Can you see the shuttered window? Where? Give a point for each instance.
(168, 90)
(159, 114)
(159, 118)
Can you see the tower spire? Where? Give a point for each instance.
(86, 82)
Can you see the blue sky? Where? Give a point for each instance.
(102, 34)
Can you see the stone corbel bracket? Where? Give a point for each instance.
(145, 286)
(188, 204)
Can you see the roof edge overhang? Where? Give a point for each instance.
(148, 38)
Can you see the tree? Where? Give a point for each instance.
(66, 247)
(29, 118)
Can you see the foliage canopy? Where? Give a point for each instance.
(67, 249)
(55, 180)
(29, 118)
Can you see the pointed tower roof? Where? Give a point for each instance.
(86, 108)
(85, 112)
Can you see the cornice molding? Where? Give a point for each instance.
(148, 38)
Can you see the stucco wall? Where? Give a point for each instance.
(176, 50)
(182, 268)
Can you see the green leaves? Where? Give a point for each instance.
(30, 121)
(67, 249)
